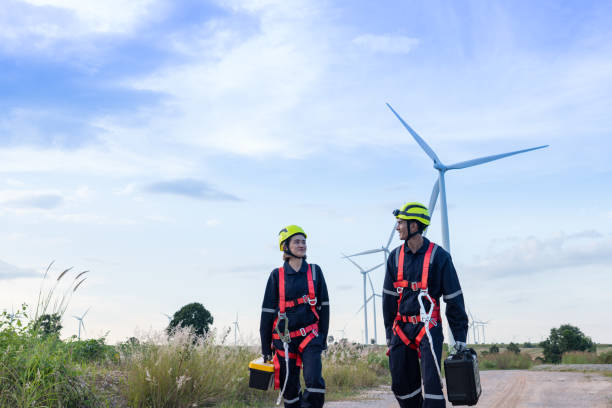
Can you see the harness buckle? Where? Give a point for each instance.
(413, 319)
(414, 286)
(399, 289)
(303, 331)
(305, 298)
(315, 332)
(312, 302)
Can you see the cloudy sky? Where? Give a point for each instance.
(163, 144)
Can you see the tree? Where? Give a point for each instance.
(565, 338)
(494, 349)
(49, 324)
(192, 315)
(513, 347)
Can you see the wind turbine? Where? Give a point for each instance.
(168, 316)
(472, 324)
(80, 319)
(482, 326)
(439, 186)
(236, 329)
(365, 273)
(383, 249)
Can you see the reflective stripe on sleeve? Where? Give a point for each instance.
(265, 309)
(390, 292)
(324, 303)
(412, 394)
(434, 396)
(314, 271)
(291, 401)
(319, 390)
(433, 253)
(452, 295)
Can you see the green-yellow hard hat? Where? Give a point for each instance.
(413, 211)
(288, 232)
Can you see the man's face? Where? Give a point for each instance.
(402, 229)
(297, 245)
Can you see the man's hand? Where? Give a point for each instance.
(459, 347)
(267, 358)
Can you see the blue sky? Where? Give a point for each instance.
(162, 145)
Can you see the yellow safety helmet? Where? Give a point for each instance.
(413, 211)
(288, 232)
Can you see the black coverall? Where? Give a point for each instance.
(296, 286)
(403, 360)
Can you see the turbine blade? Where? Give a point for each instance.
(377, 266)
(434, 197)
(481, 160)
(85, 312)
(390, 238)
(369, 251)
(418, 138)
(354, 263)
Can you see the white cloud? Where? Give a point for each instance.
(213, 222)
(388, 44)
(536, 255)
(108, 16)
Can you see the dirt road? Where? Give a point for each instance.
(519, 388)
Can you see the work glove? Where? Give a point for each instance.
(459, 347)
(267, 358)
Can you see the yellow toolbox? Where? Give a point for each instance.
(261, 374)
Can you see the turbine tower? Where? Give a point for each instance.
(439, 186)
(236, 330)
(365, 273)
(80, 319)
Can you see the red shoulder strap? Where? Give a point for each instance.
(281, 289)
(311, 290)
(425, 274)
(400, 264)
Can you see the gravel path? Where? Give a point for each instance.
(518, 388)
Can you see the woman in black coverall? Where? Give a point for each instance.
(301, 312)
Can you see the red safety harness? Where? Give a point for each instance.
(308, 332)
(400, 285)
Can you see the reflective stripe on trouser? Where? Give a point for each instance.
(406, 375)
(314, 394)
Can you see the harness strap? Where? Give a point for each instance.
(276, 361)
(281, 290)
(301, 332)
(422, 286)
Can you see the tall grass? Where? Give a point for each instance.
(507, 360)
(36, 367)
(184, 370)
(585, 357)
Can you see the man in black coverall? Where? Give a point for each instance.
(442, 281)
(292, 241)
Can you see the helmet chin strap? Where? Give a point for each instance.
(288, 252)
(411, 234)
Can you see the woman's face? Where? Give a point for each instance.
(297, 245)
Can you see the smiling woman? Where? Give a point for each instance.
(295, 321)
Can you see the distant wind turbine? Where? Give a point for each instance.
(236, 330)
(439, 186)
(365, 273)
(80, 319)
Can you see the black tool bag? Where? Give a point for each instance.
(462, 378)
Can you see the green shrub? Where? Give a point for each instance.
(565, 338)
(494, 349)
(514, 348)
(606, 358)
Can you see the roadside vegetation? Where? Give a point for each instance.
(187, 366)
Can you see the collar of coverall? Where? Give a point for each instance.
(421, 250)
(291, 271)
